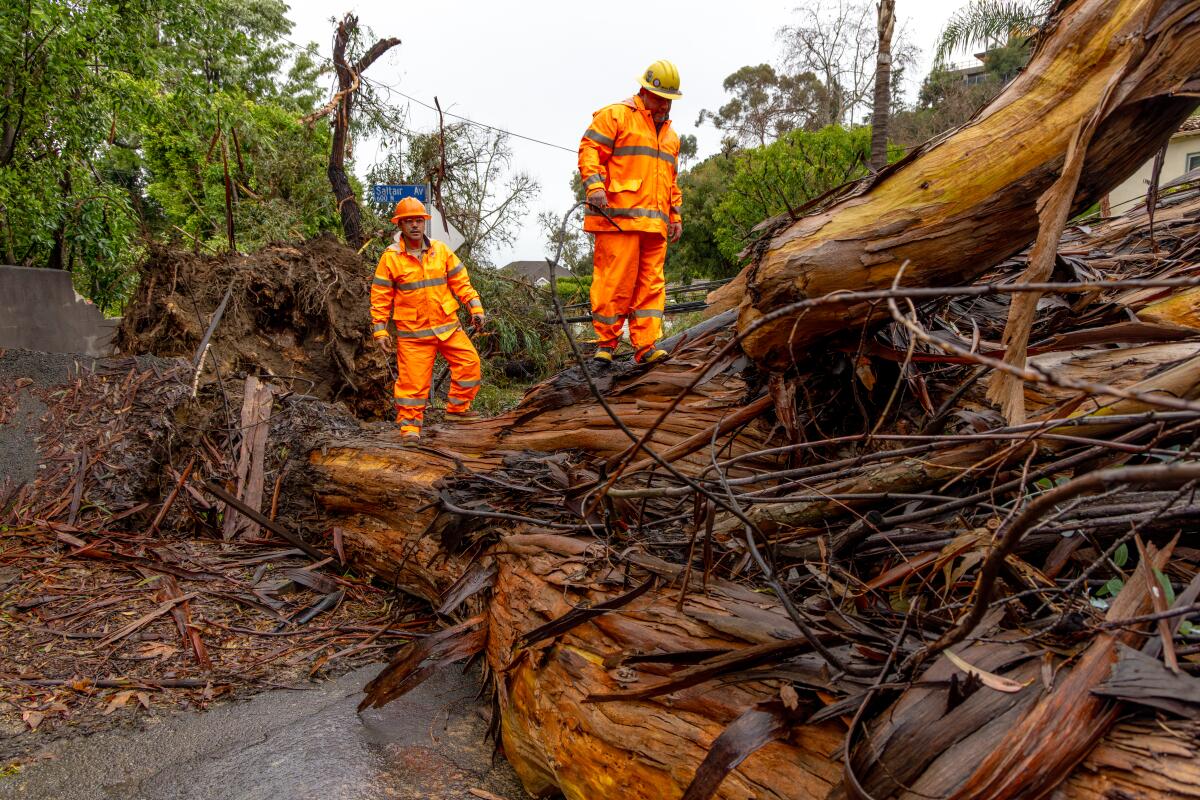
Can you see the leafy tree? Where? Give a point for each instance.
(946, 100)
(782, 176)
(697, 253)
(687, 151)
(837, 43)
(118, 119)
(484, 198)
(766, 104)
(991, 24)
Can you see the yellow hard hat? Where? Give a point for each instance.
(662, 78)
(409, 207)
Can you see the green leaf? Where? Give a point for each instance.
(1121, 556)
(1112, 588)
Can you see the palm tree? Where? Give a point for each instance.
(990, 24)
(883, 85)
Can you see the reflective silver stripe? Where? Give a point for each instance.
(416, 423)
(475, 303)
(378, 326)
(630, 212)
(604, 319)
(425, 284)
(382, 281)
(466, 384)
(596, 136)
(426, 331)
(647, 312)
(418, 402)
(594, 179)
(639, 150)
(456, 270)
(677, 209)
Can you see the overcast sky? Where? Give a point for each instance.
(540, 68)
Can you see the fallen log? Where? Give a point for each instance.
(556, 739)
(603, 709)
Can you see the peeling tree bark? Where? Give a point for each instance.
(953, 209)
(559, 742)
(967, 200)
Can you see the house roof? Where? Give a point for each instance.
(1190, 127)
(531, 271)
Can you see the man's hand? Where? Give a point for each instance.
(674, 231)
(477, 321)
(598, 199)
(384, 343)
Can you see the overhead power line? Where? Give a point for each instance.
(467, 120)
(389, 88)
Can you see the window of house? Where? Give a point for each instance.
(1193, 161)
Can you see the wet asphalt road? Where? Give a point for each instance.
(288, 745)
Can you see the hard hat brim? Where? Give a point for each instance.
(399, 217)
(666, 94)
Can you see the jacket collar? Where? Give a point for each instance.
(402, 245)
(636, 103)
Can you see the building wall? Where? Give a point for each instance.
(1133, 189)
(39, 310)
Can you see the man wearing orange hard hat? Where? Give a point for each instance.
(419, 285)
(628, 160)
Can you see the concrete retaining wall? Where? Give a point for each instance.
(39, 310)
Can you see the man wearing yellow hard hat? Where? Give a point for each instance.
(419, 284)
(628, 161)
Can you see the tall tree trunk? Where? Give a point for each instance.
(968, 199)
(349, 77)
(883, 85)
(58, 253)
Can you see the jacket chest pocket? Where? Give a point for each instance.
(616, 184)
(410, 298)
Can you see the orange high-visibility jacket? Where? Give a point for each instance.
(420, 295)
(635, 164)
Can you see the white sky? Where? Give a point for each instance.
(541, 67)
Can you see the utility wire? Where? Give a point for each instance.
(393, 89)
(382, 85)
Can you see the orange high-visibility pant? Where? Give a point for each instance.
(414, 358)
(628, 282)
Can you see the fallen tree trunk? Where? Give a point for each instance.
(559, 742)
(967, 200)
(624, 704)
(650, 747)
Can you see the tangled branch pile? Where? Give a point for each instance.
(121, 595)
(803, 548)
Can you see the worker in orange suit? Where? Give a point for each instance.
(628, 161)
(419, 284)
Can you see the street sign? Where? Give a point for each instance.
(390, 193)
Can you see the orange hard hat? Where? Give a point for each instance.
(409, 207)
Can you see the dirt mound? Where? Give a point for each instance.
(300, 312)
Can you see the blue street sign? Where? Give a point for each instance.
(389, 193)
